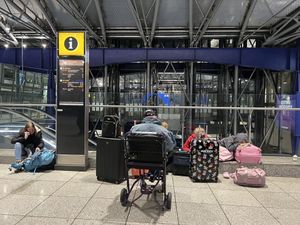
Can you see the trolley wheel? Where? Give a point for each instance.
(124, 197)
(169, 200)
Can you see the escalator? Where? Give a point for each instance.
(12, 119)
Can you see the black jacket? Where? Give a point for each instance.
(33, 141)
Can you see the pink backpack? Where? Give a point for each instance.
(225, 154)
(249, 177)
(248, 154)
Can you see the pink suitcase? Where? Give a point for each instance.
(248, 153)
(249, 177)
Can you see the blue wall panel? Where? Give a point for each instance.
(8, 56)
(166, 54)
(96, 57)
(264, 58)
(118, 56)
(293, 59)
(32, 58)
(267, 58)
(222, 56)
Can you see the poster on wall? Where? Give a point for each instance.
(71, 82)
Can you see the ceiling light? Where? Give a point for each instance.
(44, 45)
(24, 45)
(6, 45)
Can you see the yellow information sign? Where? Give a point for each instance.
(71, 43)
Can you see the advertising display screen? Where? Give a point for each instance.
(287, 117)
(71, 81)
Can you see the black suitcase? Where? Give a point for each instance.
(110, 164)
(111, 127)
(204, 160)
(181, 163)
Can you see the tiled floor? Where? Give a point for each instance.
(77, 198)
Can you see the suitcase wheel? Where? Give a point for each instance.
(169, 200)
(124, 197)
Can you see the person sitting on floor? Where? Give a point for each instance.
(165, 124)
(233, 141)
(28, 140)
(199, 132)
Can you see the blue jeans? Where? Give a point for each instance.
(19, 148)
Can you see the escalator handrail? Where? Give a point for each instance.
(28, 108)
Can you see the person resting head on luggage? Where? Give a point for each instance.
(152, 124)
(233, 141)
(199, 132)
(28, 140)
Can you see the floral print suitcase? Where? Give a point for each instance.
(204, 160)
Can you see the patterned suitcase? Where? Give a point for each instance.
(204, 160)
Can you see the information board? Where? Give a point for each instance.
(71, 82)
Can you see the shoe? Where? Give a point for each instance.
(18, 170)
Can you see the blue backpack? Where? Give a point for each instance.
(37, 160)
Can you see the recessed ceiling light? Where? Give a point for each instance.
(24, 45)
(6, 45)
(44, 45)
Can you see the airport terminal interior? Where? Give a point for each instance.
(71, 66)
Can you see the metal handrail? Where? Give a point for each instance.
(32, 109)
(165, 107)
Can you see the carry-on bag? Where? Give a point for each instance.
(204, 160)
(111, 127)
(248, 154)
(110, 162)
(244, 176)
(181, 163)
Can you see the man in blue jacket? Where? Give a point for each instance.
(152, 124)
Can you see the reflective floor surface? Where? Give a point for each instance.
(65, 197)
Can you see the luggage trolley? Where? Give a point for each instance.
(146, 150)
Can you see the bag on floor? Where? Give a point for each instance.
(37, 160)
(181, 163)
(225, 154)
(204, 160)
(244, 176)
(248, 153)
